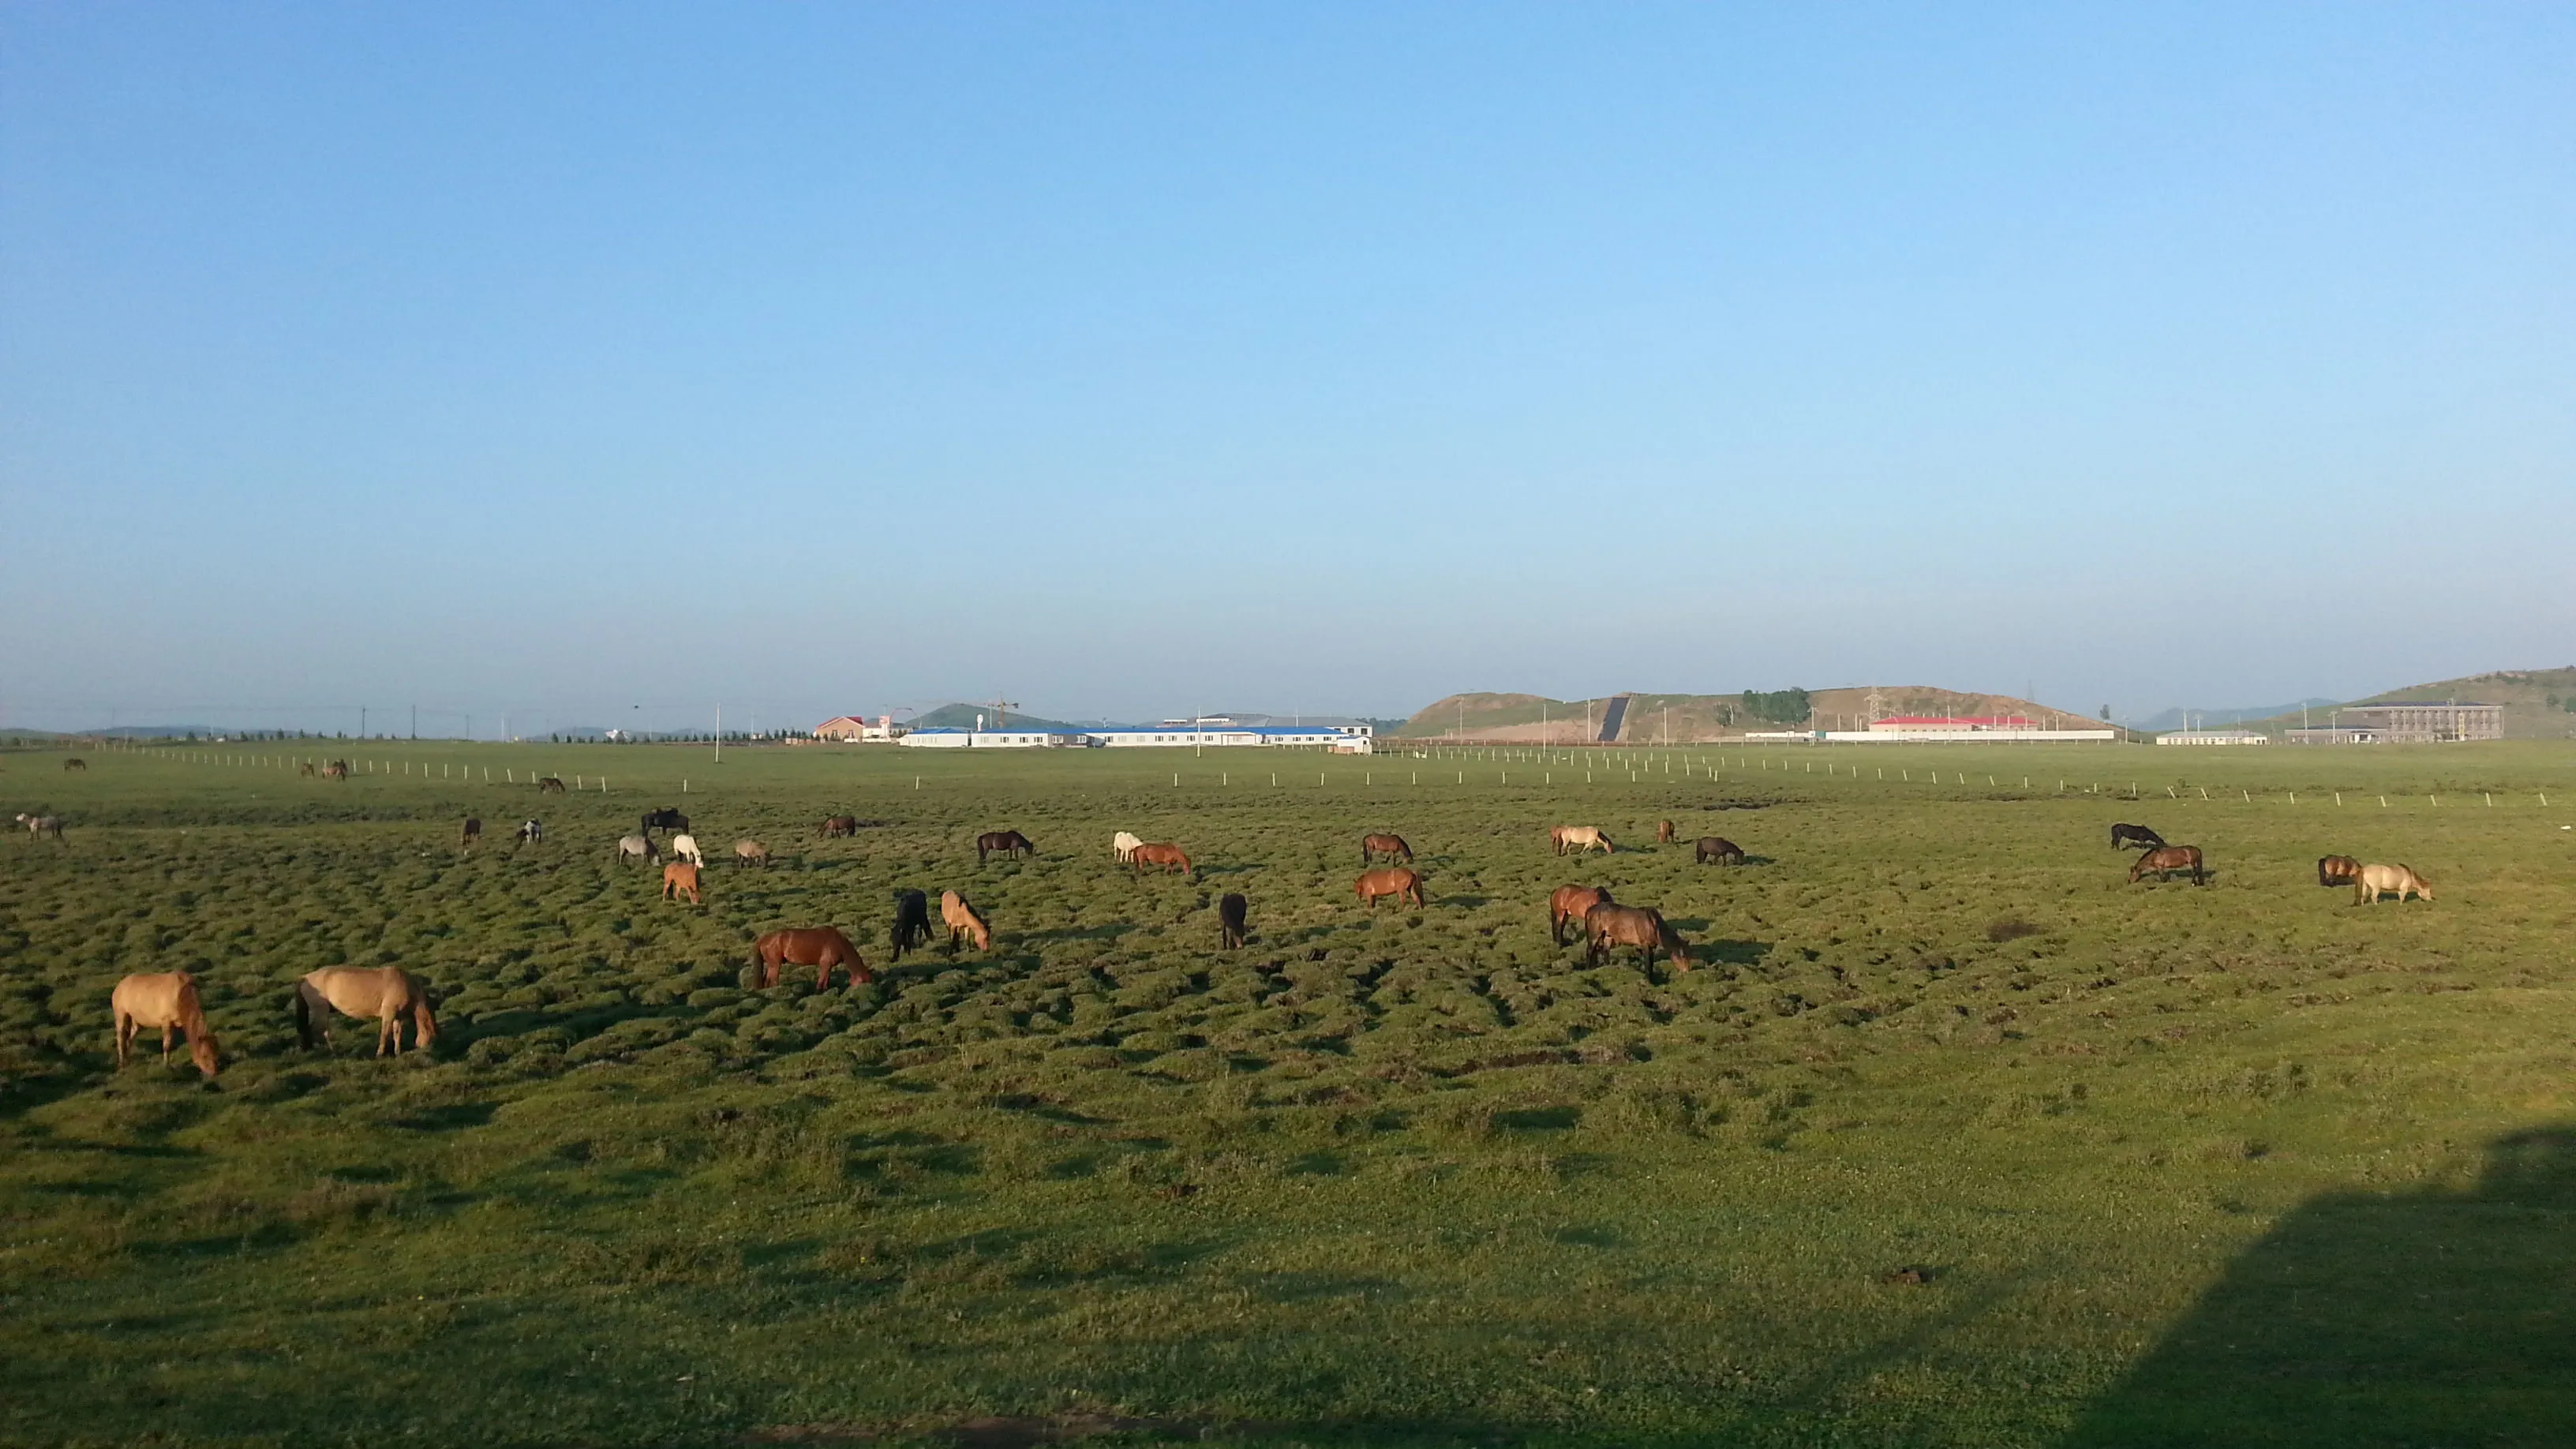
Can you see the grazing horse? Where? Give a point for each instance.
(1402, 882)
(2338, 870)
(2137, 835)
(164, 999)
(532, 832)
(679, 880)
(961, 919)
(1717, 848)
(1169, 857)
(666, 818)
(76, 763)
(339, 770)
(1229, 920)
(911, 921)
(641, 847)
(1569, 905)
(43, 825)
(821, 947)
(470, 832)
(2376, 879)
(836, 826)
(383, 992)
(750, 852)
(547, 786)
(305, 770)
(1123, 845)
(1664, 833)
(1574, 839)
(2164, 860)
(1606, 928)
(1008, 842)
(685, 847)
(1390, 846)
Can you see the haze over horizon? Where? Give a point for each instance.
(598, 367)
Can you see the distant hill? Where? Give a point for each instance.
(962, 717)
(2172, 719)
(1695, 718)
(2536, 701)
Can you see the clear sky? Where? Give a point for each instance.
(564, 359)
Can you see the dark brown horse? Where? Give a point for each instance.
(666, 818)
(2164, 860)
(1607, 928)
(75, 763)
(1664, 833)
(821, 947)
(1568, 905)
(1169, 857)
(1390, 846)
(1008, 842)
(470, 832)
(1229, 920)
(1717, 848)
(1400, 881)
(911, 921)
(2337, 870)
(2138, 835)
(836, 826)
(547, 786)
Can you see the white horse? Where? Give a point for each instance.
(1124, 843)
(685, 847)
(2402, 879)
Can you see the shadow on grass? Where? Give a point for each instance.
(2429, 1318)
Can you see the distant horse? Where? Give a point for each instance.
(1664, 833)
(336, 770)
(382, 992)
(680, 880)
(1123, 846)
(685, 847)
(836, 826)
(961, 919)
(1229, 920)
(1169, 857)
(1008, 842)
(1573, 839)
(549, 786)
(305, 770)
(40, 826)
(641, 847)
(666, 818)
(532, 832)
(469, 833)
(167, 1000)
(911, 921)
(1390, 846)
(1569, 905)
(2338, 870)
(1402, 882)
(2164, 860)
(76, 763)
(2137, 835)
(750, 852)
(1607, 928)
(821, 947)
(2378, 879)
(1717, 848)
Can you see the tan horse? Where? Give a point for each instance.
(1569, 905)
(1169, 857)
(2338, 870)
(821, 947)
(1664, 832)
(750, 852)
(383, 992)
(1402, 882)
(1575, 839)
(680, 879)
(2376, 879)
(336, 770)
(962, 920)
(164, 999)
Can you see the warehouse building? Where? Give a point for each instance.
(2424, 724)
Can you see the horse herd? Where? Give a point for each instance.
(2368, 882)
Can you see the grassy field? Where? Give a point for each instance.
(2230, 1164)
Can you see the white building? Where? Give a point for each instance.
(2213, 737)
(1211, 734)
(950, 738)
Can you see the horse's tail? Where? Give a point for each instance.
(304, 1015)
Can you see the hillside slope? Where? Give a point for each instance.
(1696, 718)
(2539, 704)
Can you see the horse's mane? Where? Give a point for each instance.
(192, 1012)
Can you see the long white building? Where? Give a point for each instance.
(1341, 739)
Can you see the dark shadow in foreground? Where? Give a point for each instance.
(2430, 1318)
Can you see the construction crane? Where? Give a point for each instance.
(1000, 708)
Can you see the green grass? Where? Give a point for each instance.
(2239, 1163)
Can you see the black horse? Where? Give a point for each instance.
(1008, 842)
(1229, 919)
(2137, 835)
(666, 818)
(1717, 848)
(911, 921)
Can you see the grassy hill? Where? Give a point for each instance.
(2539, 704)
(962, 717)
(1693, 718)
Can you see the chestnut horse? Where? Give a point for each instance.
(2137, 835)
(358, 992)
(961, 919)
(1169, 857)
(547, 786)
(1008, 842)
(680, 879)
(911, 921)
(2338, 870)
(1402, 882)
(2164, 860)
(1717, 848)
(164, 999)
(2376, 879)
(1606, 928)
(821, 947)
(836, 826)
(1664, 833)
(1577, 838)
(1229, 920)
(1390, 846)
(1569, 905)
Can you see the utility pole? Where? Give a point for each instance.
(719, 734)
(415, 721)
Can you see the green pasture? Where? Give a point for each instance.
(1951, 1137)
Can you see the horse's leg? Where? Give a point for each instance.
(165, 1037)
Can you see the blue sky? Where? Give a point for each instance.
(1126, 359)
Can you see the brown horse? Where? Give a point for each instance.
(1008, 842)
(1607, 928)
(1230, 920)
(339, 770)
(1717, 848)
(1577, 838)
(1169, 857)
(821, 947)
(961, 919)
(75, 763)
(1569, 905)
(2338, 870)
(1390, 846)
(547, 786)
(2164, 860)
(836, 826)
(680, 878)
(471, 832)
(2376, 880)
(1402, 882)
(165, 999)
(305, 770)
(750, 852)
(383, 992)
(1664, 833)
